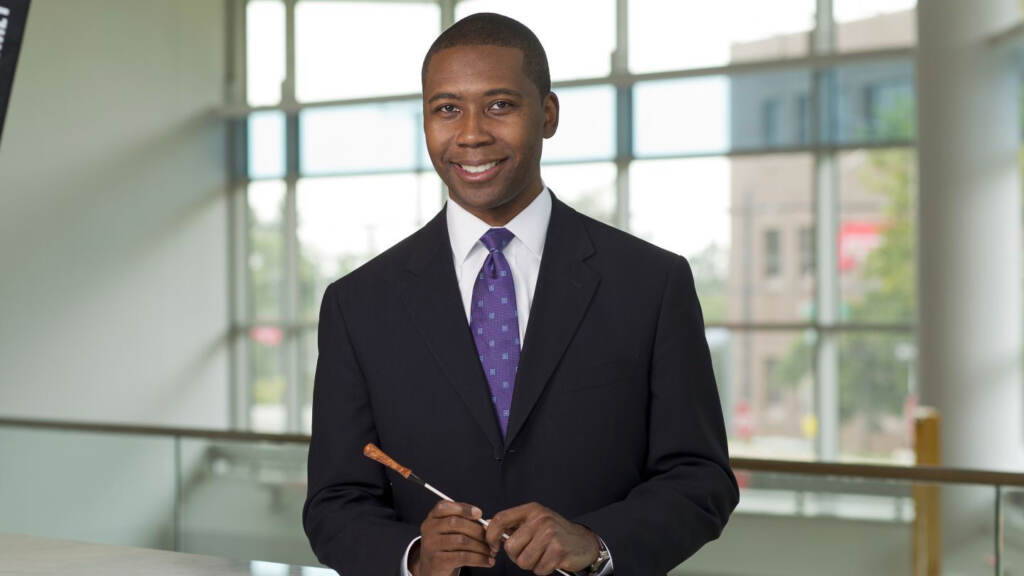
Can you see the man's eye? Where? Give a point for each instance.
(447, 108)
(502, 105)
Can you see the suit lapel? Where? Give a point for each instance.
(565, 286)
(431, 294)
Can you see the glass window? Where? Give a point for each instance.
(876, 237)
(583, 52)
(770, 121)
(357, 49)
(770, 192)
(807, 247)
(681, 116)
(589, 188)
(877, 396)
(773, 385)
(684, 206)
(769, 109)
(869, 103)
(266, 249)
(712, 176)
(772, 251)
(267, 384)
(803, 119)
(586, 125)
(874, 24)
(714, 211)
(767, 392)
(345, 221)
(718, 114)
(362, 138)
(266, 144)
(696, 33)
(308, 353)
(712, 219)
(264, 51)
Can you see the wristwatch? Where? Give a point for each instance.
(602, 559)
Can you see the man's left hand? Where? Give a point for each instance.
(540, 540)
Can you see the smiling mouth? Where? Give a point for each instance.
(477, 172)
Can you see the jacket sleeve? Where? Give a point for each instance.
(347, 515)
(689, 490)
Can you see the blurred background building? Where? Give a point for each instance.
(181, 179)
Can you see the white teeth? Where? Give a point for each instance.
(480, 168)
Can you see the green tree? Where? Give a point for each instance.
(709, 277)
(873, 378)
(266, 269)
(873, 381)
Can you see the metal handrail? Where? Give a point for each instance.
(926, 474)
(136, 430)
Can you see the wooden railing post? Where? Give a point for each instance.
(927, 507)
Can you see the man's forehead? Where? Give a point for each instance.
(475, 63)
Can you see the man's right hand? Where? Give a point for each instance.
(450, 538)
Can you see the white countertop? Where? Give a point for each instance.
(22, 555)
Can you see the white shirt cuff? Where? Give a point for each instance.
(405, 558)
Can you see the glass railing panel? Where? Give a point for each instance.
(1012, 541)
(794, 525)
(244, 500)
(86, 486)
(969, 531)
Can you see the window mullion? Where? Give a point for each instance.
(238, 220)
(288, 86)
(291, 332)
(826, 359)
(624, 114)
(826, 306)
(447, 13)
(291, 253)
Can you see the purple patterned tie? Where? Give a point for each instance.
(494, 321)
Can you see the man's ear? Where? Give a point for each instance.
(550, 106)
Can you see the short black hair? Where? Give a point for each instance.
(489, 29)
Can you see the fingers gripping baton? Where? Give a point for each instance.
(372, 452)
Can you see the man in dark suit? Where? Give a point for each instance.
(516, 354)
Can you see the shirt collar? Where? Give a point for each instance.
(530, 226)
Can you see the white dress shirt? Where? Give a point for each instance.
(523, 253)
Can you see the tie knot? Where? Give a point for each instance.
(496, 239)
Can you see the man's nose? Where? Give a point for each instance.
(474, 131)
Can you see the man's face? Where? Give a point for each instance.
(485, 122)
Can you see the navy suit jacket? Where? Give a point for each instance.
(615, 421)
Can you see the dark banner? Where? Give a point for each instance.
(13, 14)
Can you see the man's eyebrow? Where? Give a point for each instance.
(491, 92)
(443, 96)
(505, 91)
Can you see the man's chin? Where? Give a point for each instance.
(479, 200)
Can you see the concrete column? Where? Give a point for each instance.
(970, 232)
(969, 262)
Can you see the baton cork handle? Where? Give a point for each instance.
(372, 452)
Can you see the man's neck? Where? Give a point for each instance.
(502, 215)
